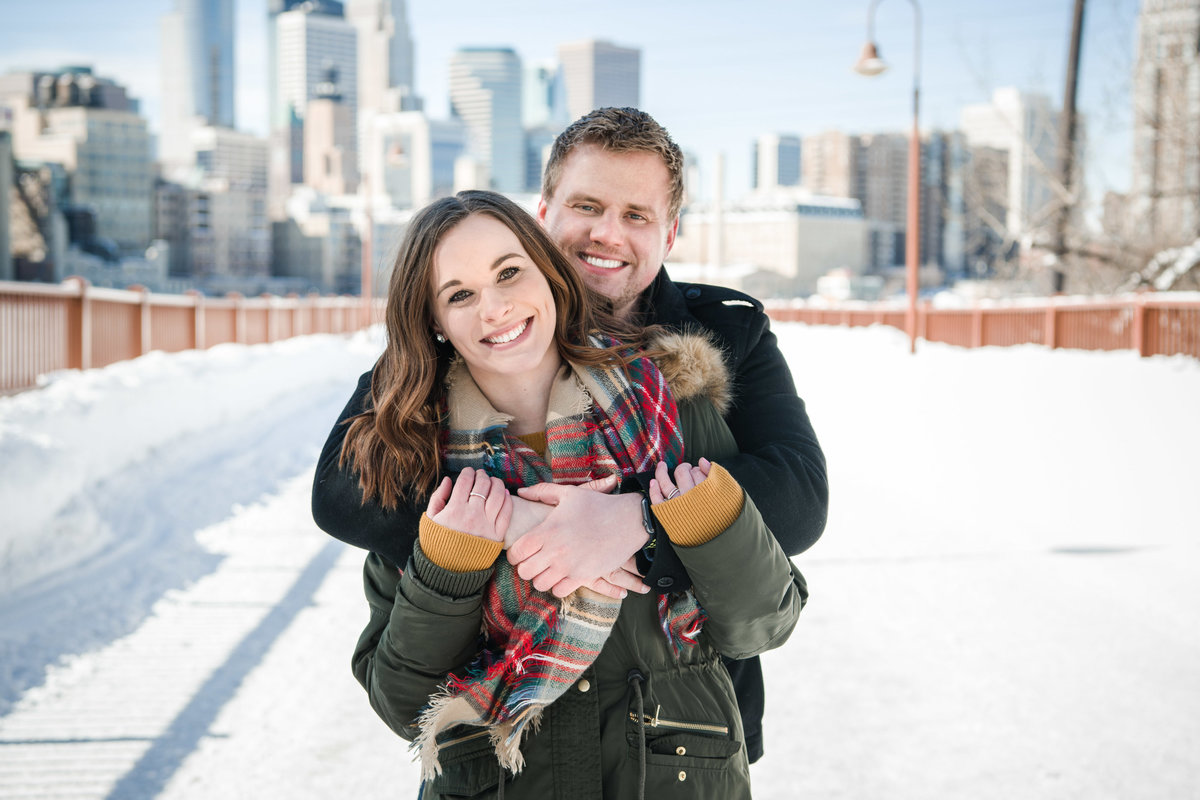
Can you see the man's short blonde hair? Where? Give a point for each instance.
(618, 130)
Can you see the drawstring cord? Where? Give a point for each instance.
(636, 679)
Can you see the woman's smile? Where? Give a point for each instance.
(509, 335)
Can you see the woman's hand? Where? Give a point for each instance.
(476, 503)
(687, 477)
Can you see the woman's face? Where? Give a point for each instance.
(492, 302)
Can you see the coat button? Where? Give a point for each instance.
(682, 775)
(681, 751)
(666, 583)
(691, 294)
(584, 685)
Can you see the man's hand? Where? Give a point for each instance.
(589, 539)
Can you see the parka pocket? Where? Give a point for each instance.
(684, 736)
(469, 767)
(689, 759)
(669, 741)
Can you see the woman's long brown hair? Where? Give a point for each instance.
(393, 443)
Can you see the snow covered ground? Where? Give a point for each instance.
(1002, 606)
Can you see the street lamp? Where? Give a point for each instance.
(870, 64)
(366, 288)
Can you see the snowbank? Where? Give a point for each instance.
(60, 442)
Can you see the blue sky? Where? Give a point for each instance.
(717, 74)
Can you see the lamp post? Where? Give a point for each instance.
(869, 63)
(367, 267)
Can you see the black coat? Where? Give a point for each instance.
(780, 464)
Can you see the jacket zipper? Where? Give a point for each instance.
(658, 722)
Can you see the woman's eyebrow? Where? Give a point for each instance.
(495, 266)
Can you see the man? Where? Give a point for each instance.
(611, 196)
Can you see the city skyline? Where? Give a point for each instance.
(716, 78)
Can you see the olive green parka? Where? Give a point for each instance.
(641, 722)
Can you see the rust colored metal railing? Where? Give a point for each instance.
(74, 325)
(1151, 324)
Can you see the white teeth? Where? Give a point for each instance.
(510, 335)
(603, 263)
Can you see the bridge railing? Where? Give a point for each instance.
(1151, 324)
(73, 325)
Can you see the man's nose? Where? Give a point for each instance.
(606, 229)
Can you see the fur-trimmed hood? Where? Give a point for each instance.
(693, 367)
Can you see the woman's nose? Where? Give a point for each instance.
(493, 303)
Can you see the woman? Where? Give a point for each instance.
(502, 367)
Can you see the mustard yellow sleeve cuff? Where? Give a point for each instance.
(704, 512)
(457, 551)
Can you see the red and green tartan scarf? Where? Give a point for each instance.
(600, 421)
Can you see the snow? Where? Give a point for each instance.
(1002, 605)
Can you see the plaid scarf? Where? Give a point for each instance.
(600, 421)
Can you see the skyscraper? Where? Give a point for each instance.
(104, 151)
(411, 157)
(597, 74)
(829, 162)
(329, 147)
(1026, 127)
(197, 73)
(1165, 191)
(310, 39)
(485, 93)
(776, 161)
(385, 54)
(543, 103)
(228, 231)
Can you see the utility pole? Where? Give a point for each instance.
(1066, 147)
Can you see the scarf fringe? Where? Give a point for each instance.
(446, 711)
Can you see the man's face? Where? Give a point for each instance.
(609, 214)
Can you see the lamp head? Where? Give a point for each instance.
(869, 63)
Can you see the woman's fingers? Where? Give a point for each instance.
(495, 494)
(665, 484)
(482, 486)
(463, 486)
(439, 498)
(683, 477)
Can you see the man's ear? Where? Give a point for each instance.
(541, 211)
(671, 237)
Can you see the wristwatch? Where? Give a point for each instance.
(647, 517)
(645, 556)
